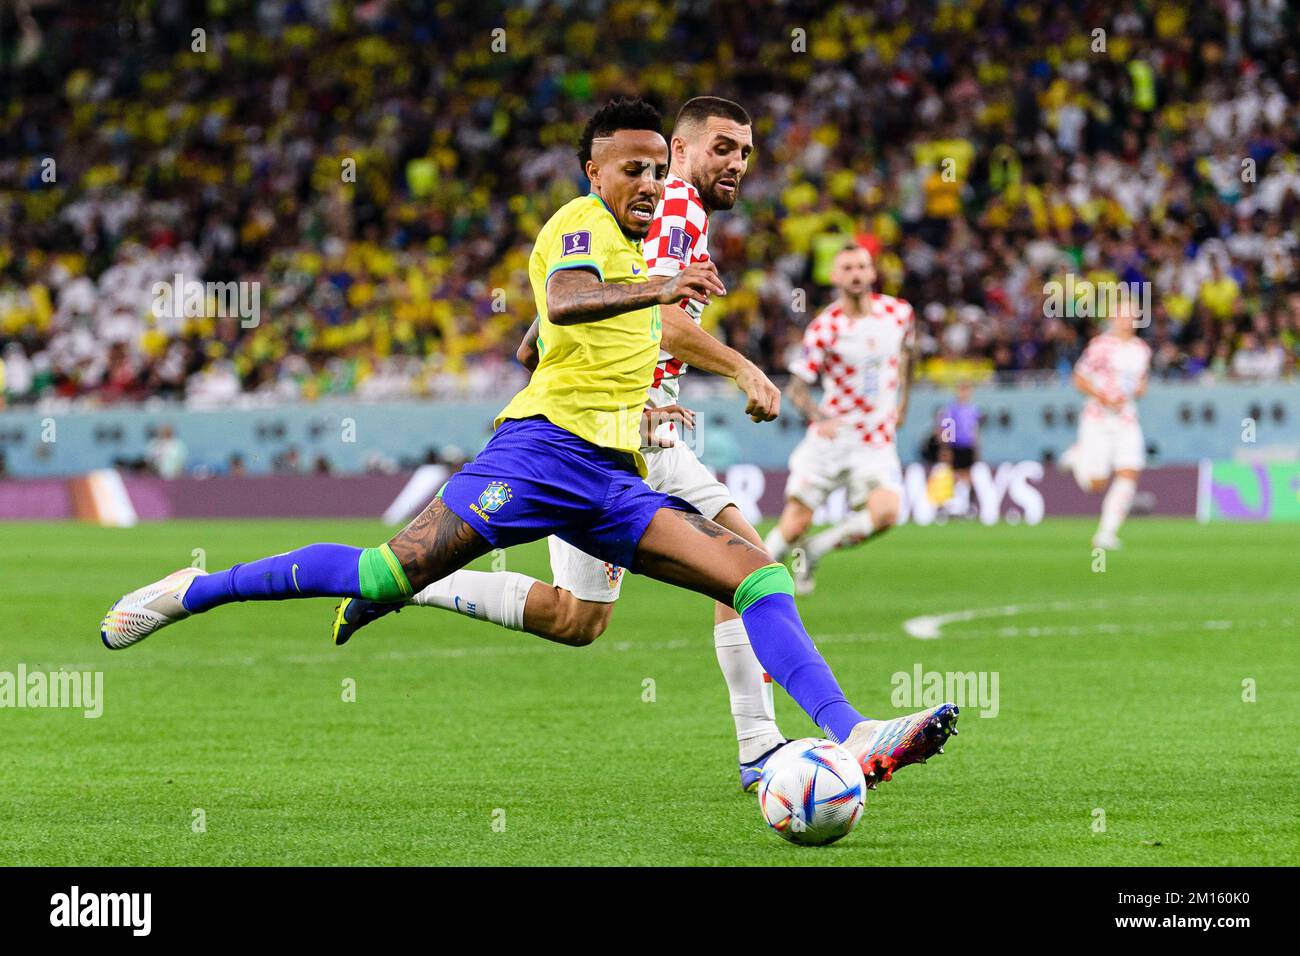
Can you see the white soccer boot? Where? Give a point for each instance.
(140, 613)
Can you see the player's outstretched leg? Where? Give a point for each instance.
(879, 514)
(432, 546)
(314, 571)
(692, 552)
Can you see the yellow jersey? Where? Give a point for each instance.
(592, 379)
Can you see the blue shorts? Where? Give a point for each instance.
(535, 479)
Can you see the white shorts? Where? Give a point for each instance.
(820, 465)
(1107, 444)
(674, 471)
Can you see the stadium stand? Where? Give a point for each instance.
(976, 164)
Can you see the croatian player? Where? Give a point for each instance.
(1112, 373)
(859, 347)
(710, 146)
(565, 459)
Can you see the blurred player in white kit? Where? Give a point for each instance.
(1112, 373)
(859, 347)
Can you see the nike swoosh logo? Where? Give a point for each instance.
(636, 272)
(293, 572)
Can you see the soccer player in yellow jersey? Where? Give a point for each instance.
(710, 146)
(565, 460)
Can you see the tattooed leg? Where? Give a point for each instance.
(436, 543)
(692, 552)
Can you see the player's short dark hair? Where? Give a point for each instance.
(625, 112)
(701, 108)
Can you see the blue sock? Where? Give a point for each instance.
(786, 652)
(318, 570)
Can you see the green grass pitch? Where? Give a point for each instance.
(1120, 701)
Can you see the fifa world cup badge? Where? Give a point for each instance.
(679, 243)
(576, 243)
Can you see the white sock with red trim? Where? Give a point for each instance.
(750, 688)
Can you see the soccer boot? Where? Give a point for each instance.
(884, 746)
(355, 613)
(1107, 542)
(751, 774)
(140, 613)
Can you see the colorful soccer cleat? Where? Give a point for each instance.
(884, 746)
(138, 614)
(751, 774)
(355, 613)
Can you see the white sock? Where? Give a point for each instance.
(750, 689)
(854, 529)
(1115, 506)
(776, 544)
(496, 596)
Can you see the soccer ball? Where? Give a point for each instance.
(812, 792)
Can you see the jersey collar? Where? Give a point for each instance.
(619, 226)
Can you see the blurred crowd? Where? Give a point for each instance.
(379, 170)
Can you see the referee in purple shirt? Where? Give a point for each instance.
(959, 433)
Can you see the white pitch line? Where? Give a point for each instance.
(929, 627)
(525, 647)
(1162, 626)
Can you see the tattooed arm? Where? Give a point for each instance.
(685, 340)
(527, 353)
(574, 296)
(801, 398)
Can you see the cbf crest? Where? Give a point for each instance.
(494, 497)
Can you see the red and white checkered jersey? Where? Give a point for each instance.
(1116, 367)
(678, 237)
(858, 361)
